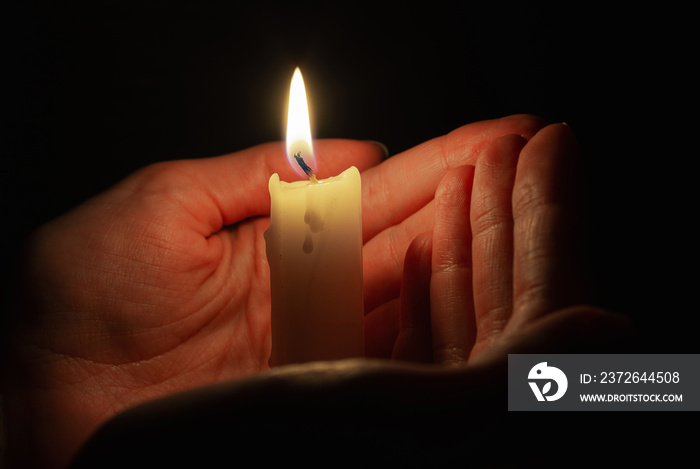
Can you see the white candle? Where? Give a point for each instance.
(314, 249)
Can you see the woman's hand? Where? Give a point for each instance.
(161, 283)
(505, 261)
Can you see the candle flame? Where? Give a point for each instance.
(299, 128)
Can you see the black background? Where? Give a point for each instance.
(99, 89)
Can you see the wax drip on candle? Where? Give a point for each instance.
(305, 167)
(308, 246)
(315, 223)
(314, 220)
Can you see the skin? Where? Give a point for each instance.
(505, 248)
(160, 284)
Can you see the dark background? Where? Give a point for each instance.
(99, 89)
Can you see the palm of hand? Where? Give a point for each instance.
(150, 294)
(133, 297)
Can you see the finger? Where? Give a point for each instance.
(383, 257)
(414, 342)
(384, 251)
(548, 262)
(451, 299)
(492, 237)
(406, 182)
(223, 190)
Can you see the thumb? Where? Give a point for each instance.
(239, 182)
(226, 189)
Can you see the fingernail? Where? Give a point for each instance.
(383, 147)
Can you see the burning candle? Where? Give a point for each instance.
(314, 249)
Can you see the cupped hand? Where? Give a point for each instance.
(161, 283)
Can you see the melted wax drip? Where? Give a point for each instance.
(315, 223)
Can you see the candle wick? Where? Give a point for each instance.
(305, 167)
